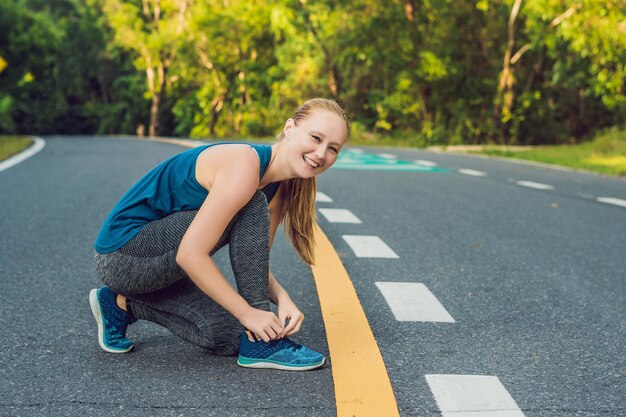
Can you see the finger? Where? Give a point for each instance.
(296, 328)
(286, 325)
(296, 323)
(272, 333)
(292, 324)
(281, 332)
(278, 328)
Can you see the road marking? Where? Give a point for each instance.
(412, 301)
(537, 185)
(362, 386)
(37, 146)
(320, 197)
(369, 247)
(472, 396)
(339, 216)
(472, 172)
(610, 200)
(425, 163)
(349, 159)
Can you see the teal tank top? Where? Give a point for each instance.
(168, 188)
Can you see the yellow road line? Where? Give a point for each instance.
(362, 386)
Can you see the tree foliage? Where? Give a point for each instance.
(448, 71)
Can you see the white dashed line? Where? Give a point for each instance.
(22, 156)
(320, 197)
(537, 185)
(425, 163)
(387, 156)
(472, 396)
(610, 200)
(369, 247)
(411, 301)
(339, 216)
(472, 173)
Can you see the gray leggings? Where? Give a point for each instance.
(158, 290)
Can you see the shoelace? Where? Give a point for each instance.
(291, 345)
(285, 343)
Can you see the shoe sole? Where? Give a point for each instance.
(260, 364)
(97, 313)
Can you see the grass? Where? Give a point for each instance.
(12, 145)
(605, 154)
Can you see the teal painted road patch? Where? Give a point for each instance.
(354, 159)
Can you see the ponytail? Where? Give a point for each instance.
(298, 196)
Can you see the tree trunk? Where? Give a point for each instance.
(154, 108)
(334, 79)
(155, 86)
(422, 90)
(409, 10)
(503, 102)
(216, 107)
(504, 96)
(154, 116)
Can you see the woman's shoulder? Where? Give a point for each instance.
(228, 155)
(235, 158)
(230, 149)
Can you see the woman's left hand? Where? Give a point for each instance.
(288, 310)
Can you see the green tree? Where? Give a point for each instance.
(232, 52)
(153, 30)
(566, 75)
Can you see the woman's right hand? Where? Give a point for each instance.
(265, 324)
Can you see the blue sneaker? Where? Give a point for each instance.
(277, 354)
(112, 321)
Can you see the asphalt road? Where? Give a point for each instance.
(535, 281)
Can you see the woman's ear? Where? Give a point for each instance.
(289, 125)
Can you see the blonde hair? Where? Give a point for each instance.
(298, 194)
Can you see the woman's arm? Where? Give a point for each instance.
(275, 291)
(235, 183)
(277, 294)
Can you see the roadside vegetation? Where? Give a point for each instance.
(410, 73)
(12, 145)
(542, 73)
(605, 154)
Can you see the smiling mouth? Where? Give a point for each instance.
(311, 163)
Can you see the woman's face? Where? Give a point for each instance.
(314, 143)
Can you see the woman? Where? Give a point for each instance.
(154, 250)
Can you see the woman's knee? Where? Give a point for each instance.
(257, 207)
(252, 221)
(221, 338)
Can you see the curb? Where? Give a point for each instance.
(38, 145)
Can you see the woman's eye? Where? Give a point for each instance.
(334, 150)
(316, 138)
